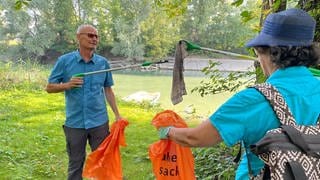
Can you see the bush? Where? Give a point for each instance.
(23, 75)
(215, 162)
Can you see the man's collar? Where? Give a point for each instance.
(79, 57)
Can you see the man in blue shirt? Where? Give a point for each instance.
(85, 98)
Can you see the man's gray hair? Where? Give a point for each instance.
(84, 26)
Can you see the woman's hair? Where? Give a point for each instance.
(286, 56)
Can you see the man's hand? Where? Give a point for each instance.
(118, 117)
(164, 131)
(75, 82)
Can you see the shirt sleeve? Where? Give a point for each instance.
(57, 72)
(243, 117)
(109, 79)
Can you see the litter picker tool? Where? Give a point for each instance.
(315, 72)
(178, 85)
(191, 46)
(119, 68)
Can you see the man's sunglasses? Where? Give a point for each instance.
(91, 35)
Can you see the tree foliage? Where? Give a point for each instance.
(159, 41)
(131, 28)
(173, 8)
(215, 24)
(20, 3)
(128, 41)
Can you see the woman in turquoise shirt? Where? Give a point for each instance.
(285, 51)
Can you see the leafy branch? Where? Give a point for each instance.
(20, 3)
(219, 82)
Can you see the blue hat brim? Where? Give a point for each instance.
(267, 40)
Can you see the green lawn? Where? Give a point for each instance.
(32, 144)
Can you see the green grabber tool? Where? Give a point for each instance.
(191, 46)
(119, 68)
(315, 72)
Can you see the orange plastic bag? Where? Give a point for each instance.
(105, 161)
(170, 160)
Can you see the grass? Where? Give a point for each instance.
(33, 146)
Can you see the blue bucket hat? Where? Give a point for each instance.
(292, 27)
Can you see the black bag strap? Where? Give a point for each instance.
(296, 138)
(251, 176)
(295, 170)
(277, 102)
(238, 157)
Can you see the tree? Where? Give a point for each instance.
(124, 26)
(41, 26)
(63, 23)
(20, 27)
(127, 28)
(215, 24)
(160, 41)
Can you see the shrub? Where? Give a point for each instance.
(23, 75)
(215, 162)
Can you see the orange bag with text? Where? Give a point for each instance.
(105, 161)
(170, 160)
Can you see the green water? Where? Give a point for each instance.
(127, 84)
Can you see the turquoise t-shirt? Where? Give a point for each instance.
(247, 115)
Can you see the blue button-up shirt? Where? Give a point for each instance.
(85, 106)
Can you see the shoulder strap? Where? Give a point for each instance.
(277, 102)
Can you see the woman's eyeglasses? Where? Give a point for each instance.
(91, 35)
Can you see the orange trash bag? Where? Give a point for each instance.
(105, 161)
(169, 159)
